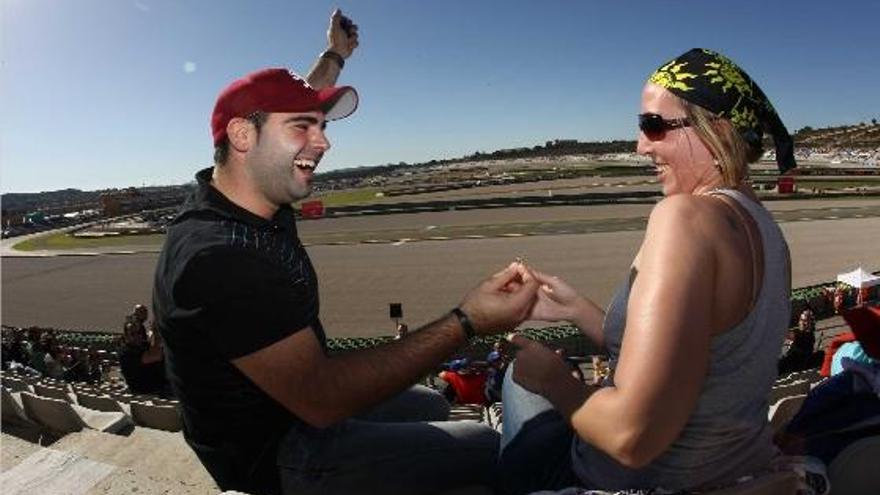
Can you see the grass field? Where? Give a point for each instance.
(64, 241)
(347, 197)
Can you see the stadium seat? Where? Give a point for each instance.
(121, 397)
(12, 409)
(784, 410)
(460, 412)
(52, 392)
(811, 375)
(63, 417)
(156, 416)
(781, 483)
(789, 390)
(854, 471)
(16, 385)
(101, 403)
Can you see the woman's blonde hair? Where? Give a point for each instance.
(732, 152)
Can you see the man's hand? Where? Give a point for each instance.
(502, 301)
(342, 39)
(342, 35)
(537, 368)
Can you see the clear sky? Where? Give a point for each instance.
(113, 93)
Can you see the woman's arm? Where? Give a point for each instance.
(558, 301)
(665, 352)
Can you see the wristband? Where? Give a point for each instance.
(465, 322)
(334, 57)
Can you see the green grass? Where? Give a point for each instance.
(350, 197)
(63, 241)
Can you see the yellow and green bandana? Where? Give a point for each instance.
(712, 81)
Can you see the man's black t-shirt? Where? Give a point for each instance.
(229, 283)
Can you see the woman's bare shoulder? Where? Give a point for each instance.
(694, 213)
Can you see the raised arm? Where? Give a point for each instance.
(342, 39)
(323, 390)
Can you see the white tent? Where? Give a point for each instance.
(859, 278)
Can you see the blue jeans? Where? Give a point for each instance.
(535, 443)
(404, 445)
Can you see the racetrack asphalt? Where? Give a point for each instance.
(358, 280)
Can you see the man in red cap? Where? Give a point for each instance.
(264, 406)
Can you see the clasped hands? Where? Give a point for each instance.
(513, 295)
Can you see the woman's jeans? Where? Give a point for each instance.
(535, 443)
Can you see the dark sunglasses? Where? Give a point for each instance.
(654, 126)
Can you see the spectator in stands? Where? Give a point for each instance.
(45, 356)
(16, 349)
(496, 362)
(496, 355)
(78, 367)
(141, 360)
(800, 355)
(402, 330)
(467, 382)
(839, 299)
(236, 299)
(138, 319)
(695, 329)
(807, 320)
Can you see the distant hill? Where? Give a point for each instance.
(861, 136)
(31, 201)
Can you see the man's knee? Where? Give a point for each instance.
(435, 407)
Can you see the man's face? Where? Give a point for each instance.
(288, 150)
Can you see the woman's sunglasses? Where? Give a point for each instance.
(654, 126)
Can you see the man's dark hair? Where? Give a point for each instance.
(221, 151)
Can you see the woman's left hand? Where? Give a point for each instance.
(537, 367)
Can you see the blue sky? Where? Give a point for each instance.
(112, 93)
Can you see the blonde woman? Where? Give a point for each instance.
(696, 327)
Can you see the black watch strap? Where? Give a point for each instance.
(465, 323)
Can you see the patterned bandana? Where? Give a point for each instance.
(712, 81)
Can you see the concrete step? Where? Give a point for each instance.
(94, 463)
(13, 450)
(150, 452)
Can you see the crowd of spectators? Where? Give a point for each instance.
(36, 352)
(139, 356)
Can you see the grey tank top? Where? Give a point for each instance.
(727, 436)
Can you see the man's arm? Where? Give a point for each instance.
(323, 390)
(342, 39)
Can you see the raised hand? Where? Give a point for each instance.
(342, 35)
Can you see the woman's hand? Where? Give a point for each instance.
(537, 368)
(556, 301)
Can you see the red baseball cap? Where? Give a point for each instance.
(278, 90)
